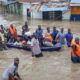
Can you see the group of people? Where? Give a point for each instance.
(11, 73)
(48, 37)
(37, 39)
(54, 36)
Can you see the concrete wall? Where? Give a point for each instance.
(4, 1)
(36, 15)
(66, 15)
(24, 8)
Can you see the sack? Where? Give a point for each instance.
(46, 43)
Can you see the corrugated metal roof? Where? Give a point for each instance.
(75, 1)
(30, 0)
(41, 0)
(47, 7)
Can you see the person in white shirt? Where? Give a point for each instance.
(11, 71)
(61, 36)
(36, 51)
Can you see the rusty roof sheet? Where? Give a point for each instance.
(40, 0)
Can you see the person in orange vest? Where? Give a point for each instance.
(75, 50)
(13, 32)
(48, 36)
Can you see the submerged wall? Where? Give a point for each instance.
(15, 8)
(75, 13)
(66, 15)
(39, 14)
(36, 15)
(25, 6)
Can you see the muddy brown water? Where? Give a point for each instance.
(53, 66)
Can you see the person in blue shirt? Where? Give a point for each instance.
(69, 37)
(39, 33)
(54, 34)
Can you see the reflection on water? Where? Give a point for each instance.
(54, 65)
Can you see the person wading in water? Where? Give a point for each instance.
(11, 72)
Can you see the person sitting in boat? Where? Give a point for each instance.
(39, 33)
(19, 42)
(27, 35)
(27, 43)
(25, 28)
(8, 35)
(75, 50)
(35, 47)
(11, 73)
(69, 37)
(61, 36)
(47, 38)
(54, 34)
(22, 42)
(12, 32)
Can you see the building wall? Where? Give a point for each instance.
(75, 10)
(25, 6)
(4, 1)
(66, 15)
(36, 15)
(75, 13)
(15, 8)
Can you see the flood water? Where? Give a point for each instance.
(53, 66)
